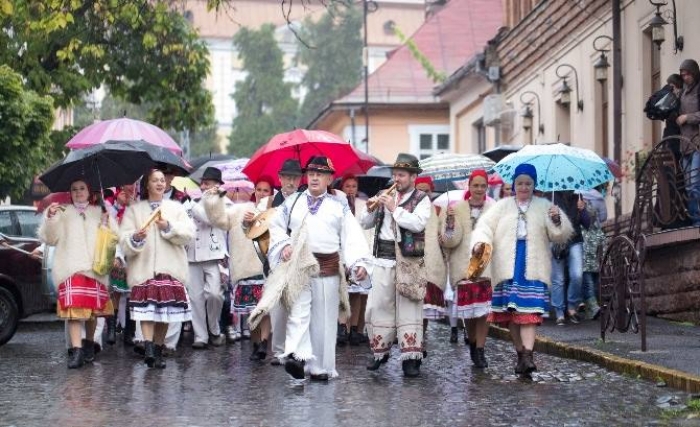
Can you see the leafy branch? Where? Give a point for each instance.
(435, 75)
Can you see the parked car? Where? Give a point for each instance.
(24, 288)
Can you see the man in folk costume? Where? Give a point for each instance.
(405, 221)
(321, 224)
(204, 253)
(290, 178)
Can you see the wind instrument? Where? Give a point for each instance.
(372, 204)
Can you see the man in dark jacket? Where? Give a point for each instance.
(689, 121)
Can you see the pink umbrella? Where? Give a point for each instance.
(123, 130)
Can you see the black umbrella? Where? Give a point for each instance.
(162, 157)
(199, 161)
(100, 166)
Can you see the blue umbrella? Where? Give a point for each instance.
(559, 167)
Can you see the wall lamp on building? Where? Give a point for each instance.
(527, 112)
(565, 89)
(601, 66)
(657, 26)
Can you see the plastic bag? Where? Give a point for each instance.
(105, 249)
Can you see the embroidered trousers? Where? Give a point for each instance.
(312, 326)
(390, 316)
(206, 297)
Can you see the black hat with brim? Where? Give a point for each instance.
(407, 162)
(320, 164)
(213, 174)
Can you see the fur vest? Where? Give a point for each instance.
(434, 259)
(161, 252)
(498, 227)
(458, 243)
(244, 260)
(74, 238)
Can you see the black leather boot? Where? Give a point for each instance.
(355, 337)
(376, 363)
(75, 358)
(262, 350)
(88, 351)
(158, 361)
(519, 368)
(294, 367)
(454, 335)
(254, 355)
(472, 352)
(480, 359)
(411, 368)
(149, 353)
(342, 337)
(111, 323)
(528, 362)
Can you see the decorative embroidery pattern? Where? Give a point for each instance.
(314, 203)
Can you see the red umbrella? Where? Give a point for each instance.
(615, 169)
(303, 144)
(62, 198)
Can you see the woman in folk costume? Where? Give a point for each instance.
(520, 230)
(83, 295)
(246, 267)
(473, 298)
(154, 246)
(312, 233)
(357, 294)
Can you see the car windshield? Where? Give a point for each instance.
(6, 226)
(29, 223)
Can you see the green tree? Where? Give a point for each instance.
(25, 129)
(142, 51)
(334, 61)
(263, 100)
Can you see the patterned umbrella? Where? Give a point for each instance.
(559, 167)
(453, 167)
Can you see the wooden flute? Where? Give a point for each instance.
(371, 204)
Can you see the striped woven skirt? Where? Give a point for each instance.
(161, 299)
(82, 298)
(246, 294)
(519, 300)
(474, 298)
(433, 303)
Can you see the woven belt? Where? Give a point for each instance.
(386, 249)
(329, 264)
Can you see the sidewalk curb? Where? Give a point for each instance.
(672, 377)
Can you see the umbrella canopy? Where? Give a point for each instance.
(615, 169)
(497, 154)
(199, 161)
(162, 157)
(105, 165)
(123, 129)
(451, 167)
(449, 198)
(302, 145)
(183, 183)
(559, 167)
(62, 198)
(231, 169)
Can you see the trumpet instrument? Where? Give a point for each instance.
(372, 204)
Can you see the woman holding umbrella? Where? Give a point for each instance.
(520, 230)
(154, 232)
(83, 295)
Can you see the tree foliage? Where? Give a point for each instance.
(263, 100)
(25, 128)
(334, 61)
(143, 51)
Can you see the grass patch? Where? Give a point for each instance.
(691, 411)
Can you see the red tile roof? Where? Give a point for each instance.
(448, 39)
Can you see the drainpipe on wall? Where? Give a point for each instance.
(617, 104)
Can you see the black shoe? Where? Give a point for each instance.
(129, 331)
(454, 335)
(411, 368)
(88, 351)
(138, 348)
(342, 337)
(355, 337)
(519, 368)
(75, 358)
(472, 352)
(480, 359)
(262, 350)
(376, 363)
(158, 361)
(111, 323)
(528, 362)
(149, 353)
(294, 367)
(319, 377)
(254, 355)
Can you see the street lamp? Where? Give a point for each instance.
(565, 90)
(527, 112)
(601, 66)
(657, 26)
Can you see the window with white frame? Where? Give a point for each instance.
(428, 140)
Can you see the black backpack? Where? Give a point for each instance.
(661, 103)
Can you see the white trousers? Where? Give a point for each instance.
(390, 316)
(278, 318)
(312, 326)
(172, 336)
(206, 298)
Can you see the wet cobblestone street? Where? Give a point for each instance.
(221, 387)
